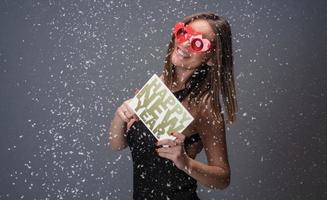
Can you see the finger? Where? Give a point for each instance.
(122, 116)
(169, 142)
(179, 136)
(131, 115)
(165, 150)
(136, 118)
(129, 109)
(166, 155)
(128, 114)
(130, 123)
(179, 142)
(136, 90)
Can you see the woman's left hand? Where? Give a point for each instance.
(175, 152)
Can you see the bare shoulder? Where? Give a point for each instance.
(205, 104)
(207, 114)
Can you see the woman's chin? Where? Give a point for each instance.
(178, 61)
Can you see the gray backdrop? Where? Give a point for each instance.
(65, 67)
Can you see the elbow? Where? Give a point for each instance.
(225, 184)
(221, 182)
(117, 147)
(225, 181)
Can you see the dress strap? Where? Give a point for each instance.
(195, 81)
(181, 94)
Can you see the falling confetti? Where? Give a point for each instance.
(66, 67)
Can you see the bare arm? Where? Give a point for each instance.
(120, 124)
(124, 117)
(215, 174)
(117, 133)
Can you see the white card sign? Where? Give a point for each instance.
(160, 111)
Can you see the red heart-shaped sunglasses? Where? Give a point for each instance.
(184, 32)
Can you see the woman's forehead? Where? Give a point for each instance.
(202, 26)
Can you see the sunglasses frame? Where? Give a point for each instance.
(191, 35)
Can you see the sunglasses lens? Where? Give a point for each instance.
(180, 35)
(197, 44)
(181, 31)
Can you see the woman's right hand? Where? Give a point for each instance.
(126, 113)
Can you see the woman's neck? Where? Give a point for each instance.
(181, 76)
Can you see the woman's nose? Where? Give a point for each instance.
(186, 44)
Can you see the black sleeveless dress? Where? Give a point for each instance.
(155, 177)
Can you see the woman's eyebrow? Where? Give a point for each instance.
(203, 34)
(207, 37)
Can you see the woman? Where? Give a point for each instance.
(198, 67)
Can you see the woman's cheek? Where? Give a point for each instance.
(193, 62)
